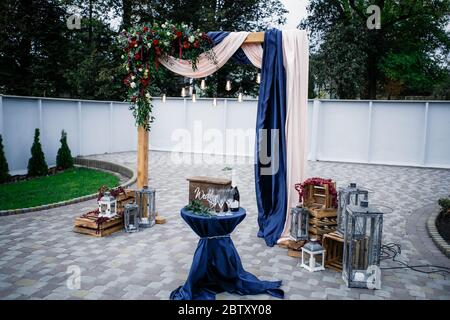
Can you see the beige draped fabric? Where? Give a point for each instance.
(296, 64)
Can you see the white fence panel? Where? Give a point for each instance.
(386, 132)
(437, 152)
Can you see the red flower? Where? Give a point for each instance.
(157, 51)
(179, 34)
(155, 42)
(145, 29)
(186, 45)
(145, 82)
(137, 56)
(133, 99)
(126, 81)
(196, 44)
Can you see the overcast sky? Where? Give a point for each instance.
(297, 11)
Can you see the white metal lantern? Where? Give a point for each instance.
(145, 199)
(299, 223)
(313, 256)
(346, 196)
(131, 217)
(107, 206)
(362, 246)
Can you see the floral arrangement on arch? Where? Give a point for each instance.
(143, 46)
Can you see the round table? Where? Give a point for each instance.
(216, 266)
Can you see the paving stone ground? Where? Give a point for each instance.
(38, 250)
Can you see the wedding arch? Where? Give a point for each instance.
(282, 56)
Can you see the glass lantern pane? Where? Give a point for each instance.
(103, 207)
(113, 207)
(306, 257)
(318, 260)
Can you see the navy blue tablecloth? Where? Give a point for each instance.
(216, 266)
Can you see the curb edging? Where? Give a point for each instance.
(83, 162)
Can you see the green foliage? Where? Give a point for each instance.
(407, 56)
(64, 158)
(4, 170)
(445, 205)
(40, 56)
(62, 186)
(197, 207)
(36, 164)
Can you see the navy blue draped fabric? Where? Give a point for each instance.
(239, 56)
(270, 146)
(216, 266)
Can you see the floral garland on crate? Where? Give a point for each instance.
(113, 192)
(316, 181)
(143, 46)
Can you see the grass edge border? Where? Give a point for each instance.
(88, 163)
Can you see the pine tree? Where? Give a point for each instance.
(4, 170)
(37, 165)
(64, 158)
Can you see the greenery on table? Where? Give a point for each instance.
(62, 186)
(37, 166)
(197, 207)
(4, 169)
(64, 158)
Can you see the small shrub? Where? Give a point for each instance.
(4, 169)
(37, 165)
(64, 158)
(445, 205)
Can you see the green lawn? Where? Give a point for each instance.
(66, 185)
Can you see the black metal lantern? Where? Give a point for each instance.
(362, 246)
(346, 196)
(131, 217)
(145, 199)
(299, 223)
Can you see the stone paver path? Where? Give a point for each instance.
(37, 249)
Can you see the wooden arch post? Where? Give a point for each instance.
(143, 136)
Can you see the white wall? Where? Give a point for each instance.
(383, 132)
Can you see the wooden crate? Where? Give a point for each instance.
(88, 225)
(318, 196)
(319, 213)
(333, 243)
(200, 186)
(124, 199)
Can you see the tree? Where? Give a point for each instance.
(4, 169)
(32, 48)
(64, 158)
(409, 52)
(37, 165)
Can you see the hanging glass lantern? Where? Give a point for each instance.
(228, 85)
(194, 95)
(313, 256)
(240, 95)
(362, 246)
(258, 78)
(145, 199)
(299, 223)
(203, 84)
(131, 217)
(163, 98)
(107, 206)
(346, 196)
